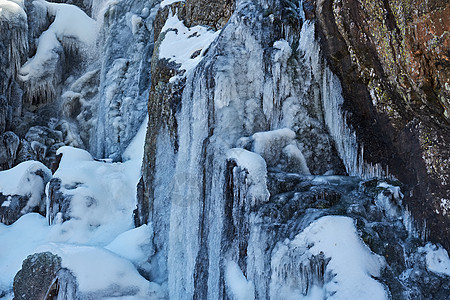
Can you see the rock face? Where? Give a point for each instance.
(40, 276)
(393, 61)
(54, 85)
(261, 104)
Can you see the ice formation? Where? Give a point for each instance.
(331, 257)
(249, 187)
(95, 243)
(126, 46)
(43, 73)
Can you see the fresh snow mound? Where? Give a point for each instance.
(134, 244)
(352, 265)
(26, 179)
(257, 172)
(98, 269)
(135, 150)
(18, 241)
(107, 221)
(237, 284)
(12, 11)
(264, 142)
(70, 22)
(103, 196)
(437, 259)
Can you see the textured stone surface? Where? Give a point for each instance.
(37, 275)
(43, 278)
(392, 58)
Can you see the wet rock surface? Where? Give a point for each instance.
(297, 200)
(392, 59)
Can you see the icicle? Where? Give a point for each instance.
(14, 33)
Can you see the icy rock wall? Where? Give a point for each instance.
(260, 87)
(41, 50)
(88, 83)
(13, 50)
(389, 57)
(126, 46)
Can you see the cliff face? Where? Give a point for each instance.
(240, 124)
(274, 127)
(393, 61)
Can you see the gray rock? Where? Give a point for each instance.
(9, 144)
(42, 277)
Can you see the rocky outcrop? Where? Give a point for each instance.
(35, 278)
(22, 191)
(165, 96)
(393, 61)
(43, 278)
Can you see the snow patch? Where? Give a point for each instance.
(25, 179)
(135, 150)
(12, 11)
(237, 284)
(183, 45)
(168, 2)
(437, 259)
(71, 29)
(97, 269)
(349, 273)
(134, 244)
(257, 171)
(103, 196)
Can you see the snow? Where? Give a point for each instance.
(97, 269)
(257, 172)
(294, 154)
(135, 150)
(270, 145)
(252, 162)
(103, 195)
(134, 245)
(99, 243)
(437, 259)
(22, 180)
(18, 241)
(61, 31)
(12, 11)
(349, 273)
(237, 284)
(168, 2)
(264, 141)
(65, 17)
(180, 43)
(389, 206)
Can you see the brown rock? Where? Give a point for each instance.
(392, 57)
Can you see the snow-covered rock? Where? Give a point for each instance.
(22, 190)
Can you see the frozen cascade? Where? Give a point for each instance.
(195, 251)
(126, 37)
(14, 32)
(13, 50)
(262, 92)
(43, 73)
(253, 185)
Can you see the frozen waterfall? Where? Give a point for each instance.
(245, 181)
